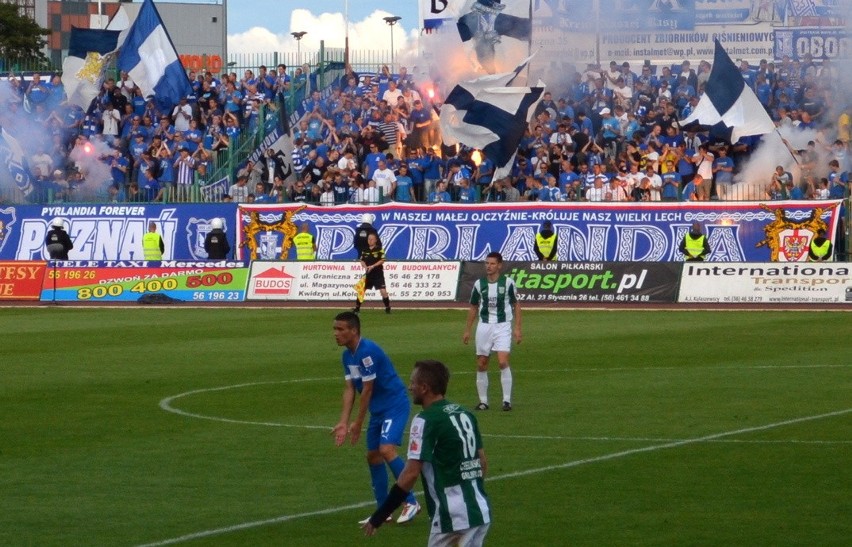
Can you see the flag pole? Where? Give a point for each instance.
(789, 148)
(529, 43)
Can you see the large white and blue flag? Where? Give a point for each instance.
(83, 68)
(728, 100)
(487, 115)
(13, 158)
(500, 32)
(149, 56)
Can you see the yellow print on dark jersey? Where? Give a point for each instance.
(371, 256)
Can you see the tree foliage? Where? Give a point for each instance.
(20, 37)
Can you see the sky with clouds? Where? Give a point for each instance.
(265, 25)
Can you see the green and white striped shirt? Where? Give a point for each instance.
(445, 438)
(496, 300)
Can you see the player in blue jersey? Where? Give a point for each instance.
(369, 372)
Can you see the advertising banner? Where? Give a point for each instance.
(586, 232)
(673, 46)
(810, 283)
(21, 280)
(112, 231)
(335, 281)
(94, 281)
(819, 42)
(570, 282)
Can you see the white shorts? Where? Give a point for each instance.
(472, 537)
(493, 337)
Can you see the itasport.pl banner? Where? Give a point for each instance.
(810, 283)
(569, 282)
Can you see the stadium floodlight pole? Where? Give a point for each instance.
(391, 21)
(597, 8)
(298, 36)
(225, 32)
(345, 34)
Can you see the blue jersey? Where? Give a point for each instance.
(370, 362)
(403, 188)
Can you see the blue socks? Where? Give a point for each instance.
(379, 479)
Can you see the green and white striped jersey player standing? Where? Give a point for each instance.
(445, 450)
(494, 300)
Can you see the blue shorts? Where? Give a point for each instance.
(387, 427)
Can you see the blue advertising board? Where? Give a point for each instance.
(587, 232)
(111, 231)
(819, 42)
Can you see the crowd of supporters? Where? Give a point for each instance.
(125, 147)
(612, 134)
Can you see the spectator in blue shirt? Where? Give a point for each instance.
(440, 194)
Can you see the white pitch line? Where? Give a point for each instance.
(166, 404)
(672, 444)
(567, 465)
(656, 440)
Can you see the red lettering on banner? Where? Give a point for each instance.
(210, 63)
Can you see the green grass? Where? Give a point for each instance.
(688, 428)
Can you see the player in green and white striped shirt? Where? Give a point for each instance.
(494, 300)
(445, 449)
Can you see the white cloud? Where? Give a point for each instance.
(370, 34)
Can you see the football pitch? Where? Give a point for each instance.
(154, 426)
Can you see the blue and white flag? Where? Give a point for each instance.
(486, 115)
(213, 191)
(149, 56)
(15, 161)
(498, 31)
(727, 99)
(83, 68)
